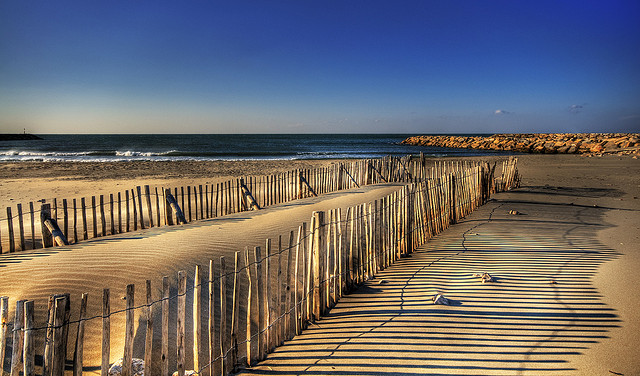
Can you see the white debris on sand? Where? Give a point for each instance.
(137, 367)
(440, 299)
(186, 373)
(484, 277)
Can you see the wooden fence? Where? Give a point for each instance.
(142, 207)
(244, 308)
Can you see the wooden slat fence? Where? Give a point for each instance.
(246, 307)
(145, 207)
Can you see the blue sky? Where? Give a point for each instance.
(332, 66)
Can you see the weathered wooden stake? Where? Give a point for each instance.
(33, 224)
(149, 211)
(45, 212)
(197, 317)
(28, 354)
(106, 332)
(127, 357)
(18, 338)
(250, 297)
(79, 348)
(182, 316)
(21, 226)
(164, 359)
(59, 339)
(224, 363)
(112, 221)
(212, 320)
(235, 311)
(148, 343)
(318, 235)
(12, 245)
(4, 322)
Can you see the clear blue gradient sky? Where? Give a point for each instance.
(331, 66)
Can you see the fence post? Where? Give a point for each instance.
(224, 366)
(212, 320)
(139, 191)
(59, 348)
(106, 333)
(197, 314)
(45, 212)
(182, 315)
(235, 310)
(147, 193)
(28, 355)
(21, 226)
(79, 348)
(33, 225)
(250, 298)
(4, 321)
(128, 336)
(148, 343)
(95, 216)
(18, 338)
(318, 235)
(165, 326)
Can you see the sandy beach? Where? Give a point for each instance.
(608, 184)
(564, 301)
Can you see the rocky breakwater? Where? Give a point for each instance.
(588, 144)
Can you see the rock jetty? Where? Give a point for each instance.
(549, 143)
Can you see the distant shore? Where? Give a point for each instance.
(18, 136)
(550, 143)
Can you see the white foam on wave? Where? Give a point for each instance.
(28, 153)
(131, 153)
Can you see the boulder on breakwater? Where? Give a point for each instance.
(547, 143)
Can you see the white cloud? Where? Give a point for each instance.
(502, 112)
(576, 108)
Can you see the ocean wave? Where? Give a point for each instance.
(27, 153)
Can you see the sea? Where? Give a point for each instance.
(207, 147)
